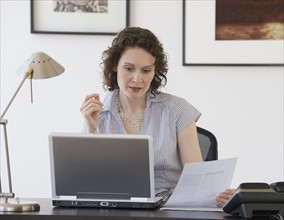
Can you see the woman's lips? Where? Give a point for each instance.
(135, 89)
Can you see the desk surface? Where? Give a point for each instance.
(47, 211)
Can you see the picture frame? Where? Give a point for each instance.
(52, 17)
(200, 47)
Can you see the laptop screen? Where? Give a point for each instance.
(93, 165)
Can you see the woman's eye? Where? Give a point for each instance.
(127, 68)
(147, 71)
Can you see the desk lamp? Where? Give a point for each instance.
(38, 66)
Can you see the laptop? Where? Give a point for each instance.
(102, 171)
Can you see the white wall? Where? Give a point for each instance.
(243, 106)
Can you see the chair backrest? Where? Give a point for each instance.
(208, 144)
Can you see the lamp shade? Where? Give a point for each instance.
(42, 65)
(38, 66)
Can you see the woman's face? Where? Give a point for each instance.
(135, 72)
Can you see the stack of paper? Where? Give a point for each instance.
(199, 185)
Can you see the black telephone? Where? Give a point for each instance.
(257, 199)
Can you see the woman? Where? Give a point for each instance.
(134, 69)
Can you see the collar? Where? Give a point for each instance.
(110, 100)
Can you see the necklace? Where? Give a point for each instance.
(131, 124)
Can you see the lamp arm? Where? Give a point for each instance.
(28, 73)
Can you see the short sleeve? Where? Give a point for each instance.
(186, 114)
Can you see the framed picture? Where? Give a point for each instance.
(102, 17)
(233, 32)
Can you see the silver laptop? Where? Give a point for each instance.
(102, 171)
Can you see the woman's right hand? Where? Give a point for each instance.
(224, 197)
(90, 110)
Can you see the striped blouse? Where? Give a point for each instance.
(165, 115)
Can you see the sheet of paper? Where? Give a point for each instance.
(199, 185)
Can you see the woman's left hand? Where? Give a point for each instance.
(224, 197)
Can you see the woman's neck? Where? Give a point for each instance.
(131, 106)
(131, 113)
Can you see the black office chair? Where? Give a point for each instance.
(208, 144)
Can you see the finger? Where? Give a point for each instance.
(225, 195)
(219, 204)
(91, 108)
(94, 107)
(95, 96)
(95, 100)
(220, 201)
(91, 102)
(90, 97)
(230, 191)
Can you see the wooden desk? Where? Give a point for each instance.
(47, 211)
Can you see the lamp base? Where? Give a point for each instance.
(19, 207)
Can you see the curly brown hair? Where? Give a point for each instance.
(134, 37)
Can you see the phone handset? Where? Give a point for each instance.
(278, 186)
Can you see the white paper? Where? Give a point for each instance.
(199, 185)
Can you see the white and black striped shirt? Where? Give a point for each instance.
(165, 115)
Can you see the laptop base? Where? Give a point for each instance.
(106, 204)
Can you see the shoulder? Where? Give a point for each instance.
(169, 100)
(177, 106)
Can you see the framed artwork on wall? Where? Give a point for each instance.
(233, 32)
(101, 17)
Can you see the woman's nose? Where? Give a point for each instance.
(136, 77)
